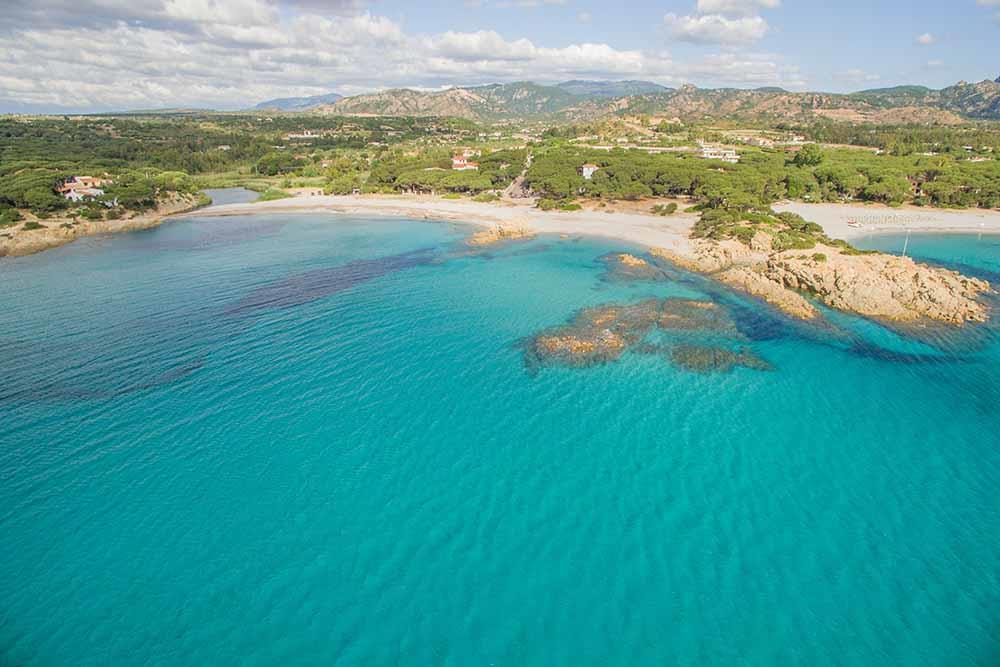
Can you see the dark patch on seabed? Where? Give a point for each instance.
(695, 335)
(318, 283)
(83, 391)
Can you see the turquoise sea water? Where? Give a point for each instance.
(314, 440)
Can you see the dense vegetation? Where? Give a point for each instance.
(906, 140)
(148, 156)
(765, 176)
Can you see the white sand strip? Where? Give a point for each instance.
(876, 219)
(646, 230)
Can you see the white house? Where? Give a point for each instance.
(80, 194)
(719, 153)
(80, 188)
(588, 170)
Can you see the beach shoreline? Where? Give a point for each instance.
(646, 230)
(632, 226)
(881, 219)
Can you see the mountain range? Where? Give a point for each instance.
(584, 100)
(298, 103)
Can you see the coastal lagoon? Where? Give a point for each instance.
(307, 439)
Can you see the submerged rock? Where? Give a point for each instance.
(595, 335)
(603, 334)
(690, 315)
(702, 359)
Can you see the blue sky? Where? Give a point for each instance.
(89, 55)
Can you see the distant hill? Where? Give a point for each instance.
(491, 102)
(298, 103)
(610, 89)
(896, 90)
(583, 100)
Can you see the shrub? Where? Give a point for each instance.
(743, 234)
(9, 216)
(451, 195)
(665, 209)
(32, 225)
(570, 207)
(273, 193)
(485, 197)
(819, 257)
(790, 240)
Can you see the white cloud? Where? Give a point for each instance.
(856, 75)
(506, 4)
(172, 53)
(727, 22)
(716, 28)
(736, 7)
(583, 17)
(926, 39)
(935, 63)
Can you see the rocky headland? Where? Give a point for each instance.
(27, 239)
(875, 285)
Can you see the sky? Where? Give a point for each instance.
(105, 55)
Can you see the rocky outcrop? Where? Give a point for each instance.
(870, 284)
(498, 234)
(773, 292)
(882, 286)
(712, 256)
(626, 267)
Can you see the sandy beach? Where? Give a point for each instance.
(877, 219)
(648, 230)
(645, 230)
(624, 222)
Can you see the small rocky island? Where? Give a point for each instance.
(781, 258)
(499, 234)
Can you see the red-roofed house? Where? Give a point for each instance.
(459, 163)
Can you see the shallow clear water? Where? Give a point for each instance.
(221, 196)
(311, 439)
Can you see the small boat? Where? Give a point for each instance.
(853, 223)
